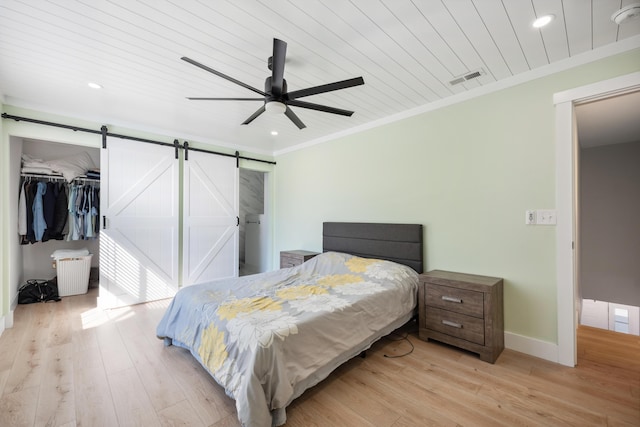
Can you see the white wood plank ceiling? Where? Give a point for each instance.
(407, 51)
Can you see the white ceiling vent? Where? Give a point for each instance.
(469, 76)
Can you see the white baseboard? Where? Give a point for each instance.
(6, 321)
(531, 346)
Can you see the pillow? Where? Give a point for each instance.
(72, 167)
(27, 160)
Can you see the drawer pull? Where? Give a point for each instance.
(451, 299)
(454, 324)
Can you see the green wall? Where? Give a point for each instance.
(467, 172)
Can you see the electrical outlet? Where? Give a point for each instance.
(530, 217)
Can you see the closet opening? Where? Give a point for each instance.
(74, 233)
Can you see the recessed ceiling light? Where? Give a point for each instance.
(542, 21)
(94, 85)
(274, 132)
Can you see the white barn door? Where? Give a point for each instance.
(210, 211)
(140, 218)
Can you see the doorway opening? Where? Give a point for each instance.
(608, 186)
(567, 199)
(253, 235)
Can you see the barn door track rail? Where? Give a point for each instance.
(105, 133)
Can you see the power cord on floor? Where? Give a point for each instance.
(401, 337)
(411, 325)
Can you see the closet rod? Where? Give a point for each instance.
(58, 177)
(115, 135)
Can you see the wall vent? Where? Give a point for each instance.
(469, 76)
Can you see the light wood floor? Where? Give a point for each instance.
(68, 364)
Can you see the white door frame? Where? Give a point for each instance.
(566, 180)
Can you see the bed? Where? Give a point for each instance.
(268, 337)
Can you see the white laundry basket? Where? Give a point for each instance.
(73, 275)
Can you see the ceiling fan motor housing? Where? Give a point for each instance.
(268, 90)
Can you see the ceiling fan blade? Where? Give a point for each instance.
(224, 76)
(225, 99)
(326, 88)
(319, 107)
(254, 115)
(292, 116)
(277, 66)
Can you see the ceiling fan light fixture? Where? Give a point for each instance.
(543, 20)
(627, 13)
(275, 107)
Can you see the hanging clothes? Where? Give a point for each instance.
(60, 213)
(48, 208)
(39, 223)
(73, 219)
(22, 211)
(30, 192)
(88, 216)
(57, 210)
(80, 213)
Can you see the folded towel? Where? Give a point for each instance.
(43, 170)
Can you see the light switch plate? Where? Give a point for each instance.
(546, 217)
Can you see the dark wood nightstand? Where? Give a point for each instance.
(296, 257)
(464, 310)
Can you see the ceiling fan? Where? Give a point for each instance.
(276, 98)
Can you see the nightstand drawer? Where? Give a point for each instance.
(286, 262)
(296, 257)
(462, 301)
(457, 325)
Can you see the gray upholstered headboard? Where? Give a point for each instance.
(401, 243)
